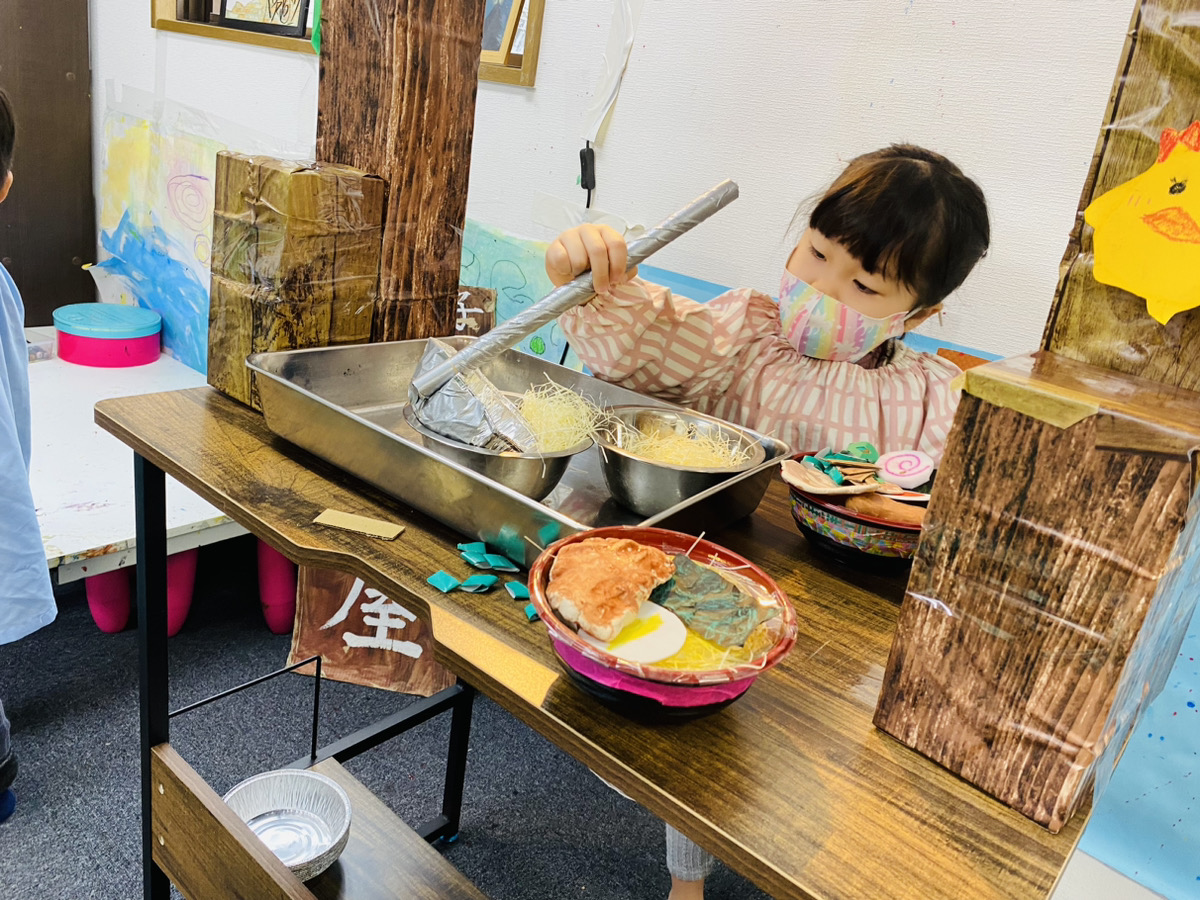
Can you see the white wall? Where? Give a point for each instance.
(273, 92)
(773, 93)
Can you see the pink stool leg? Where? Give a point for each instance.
(181, 582)
(276, 588)
(109, 598)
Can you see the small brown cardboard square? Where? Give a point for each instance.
(361, 524)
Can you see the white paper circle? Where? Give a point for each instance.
(665, 640)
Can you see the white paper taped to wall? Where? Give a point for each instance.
(626, 14)
(172, 117)
(558, 215)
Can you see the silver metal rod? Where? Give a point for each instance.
(572, 294)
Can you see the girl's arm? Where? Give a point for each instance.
(645, 338)
(727, 358)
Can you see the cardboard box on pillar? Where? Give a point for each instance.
(295, 261)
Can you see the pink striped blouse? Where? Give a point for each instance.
(728, 359)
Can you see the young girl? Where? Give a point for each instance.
(895, 234)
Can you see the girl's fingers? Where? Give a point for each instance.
(597, 247)
(618, 255)
(566, 258)
(558, 265)
(577, 253)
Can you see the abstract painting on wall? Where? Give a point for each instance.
(514, 268)
(156, 202)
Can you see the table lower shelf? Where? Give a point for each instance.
(210, 853)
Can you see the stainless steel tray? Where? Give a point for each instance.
(345, 404)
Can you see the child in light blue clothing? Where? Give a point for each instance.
(26, 598)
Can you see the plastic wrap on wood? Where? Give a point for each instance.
(1055, 577)
(1157, 87)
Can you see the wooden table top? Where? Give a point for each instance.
(791, 785)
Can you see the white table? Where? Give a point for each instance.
(82, 477)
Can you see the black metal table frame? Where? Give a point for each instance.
(151, 514)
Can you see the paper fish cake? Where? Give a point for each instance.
(1147, 238)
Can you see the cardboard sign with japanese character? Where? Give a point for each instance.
(363, 636)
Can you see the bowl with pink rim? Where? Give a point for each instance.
(652, 692)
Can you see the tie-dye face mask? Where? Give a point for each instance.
(824, 328)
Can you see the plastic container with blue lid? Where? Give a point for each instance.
(108, 335)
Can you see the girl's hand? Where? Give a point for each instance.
(597, 247)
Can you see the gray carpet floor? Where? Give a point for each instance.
(536, 825)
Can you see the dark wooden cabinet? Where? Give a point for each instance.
(48, 223)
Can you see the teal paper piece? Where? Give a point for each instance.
(443, 581)
(821, 464)
(500, 563)
(849, 458)
(478, 560)
(531, 612)
(478, 584)
(863, 450)
(516, 590)
(473, 547)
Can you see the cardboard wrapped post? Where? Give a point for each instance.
(1056, 574)
(1157, 88)
(362, 636)
(397, 97)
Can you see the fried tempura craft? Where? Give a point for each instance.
(598, 584)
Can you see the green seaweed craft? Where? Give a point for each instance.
(710, 605)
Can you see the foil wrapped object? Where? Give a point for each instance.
(469, 408)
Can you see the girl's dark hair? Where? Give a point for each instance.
(910, 214)
(8, 135)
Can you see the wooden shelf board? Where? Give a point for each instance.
(384, 858)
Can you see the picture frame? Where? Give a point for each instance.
(518, 66)
(516, 50)
(500, 18)
(283, 17)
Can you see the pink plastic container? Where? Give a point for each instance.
(110, 594)
(108, 335)
(276, 588)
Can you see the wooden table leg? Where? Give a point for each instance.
(150, 499)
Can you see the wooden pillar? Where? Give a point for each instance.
(1059, 565)
(1053, 583)
(1157, 86)
(397, 99)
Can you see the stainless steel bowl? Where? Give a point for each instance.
(531, 474)
(302, 816)
(648, 487)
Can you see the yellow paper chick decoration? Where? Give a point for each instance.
(1147, 238)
